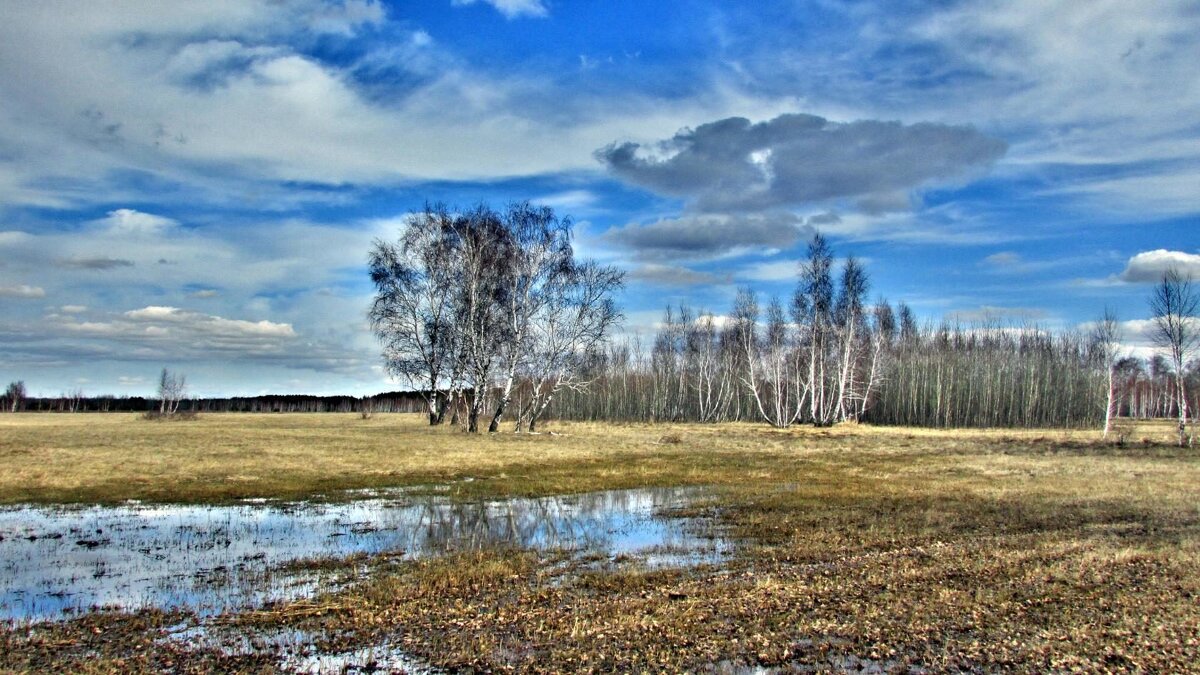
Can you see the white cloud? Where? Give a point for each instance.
(91, 91)
(291, 294)
(131, 222)
(511, 9)
(1093, 76)
(178, 333)
(206, 324)
(1149, 266)
(568, 201)
(1137, 336)
(1080, 88)
(1169, 192)
(13, 237)
(1003, 259)
(779, 270)
(23, 291)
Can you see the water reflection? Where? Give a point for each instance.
(56, 560)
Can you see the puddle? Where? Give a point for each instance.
(297, 650)
(59, 561)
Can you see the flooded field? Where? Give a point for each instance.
(57, 562)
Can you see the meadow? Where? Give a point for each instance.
(857, 547)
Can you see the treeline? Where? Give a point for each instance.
(388, 402)
(936, 376)
(826, 357)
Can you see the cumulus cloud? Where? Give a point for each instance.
(1149, 266)
(511, 9)
(709, 235)
(22, 291)
(795, 160)
(132, 222)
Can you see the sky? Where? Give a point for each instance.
(197, 185)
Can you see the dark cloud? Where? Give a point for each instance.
(98, 263)
(793, 160)
(709, 235)
(675, 275)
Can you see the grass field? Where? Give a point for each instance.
(858, 546)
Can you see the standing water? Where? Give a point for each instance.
(58, 561)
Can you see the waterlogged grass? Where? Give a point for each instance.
(859, 547)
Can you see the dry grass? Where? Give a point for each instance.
(109, 458)
(990, 550)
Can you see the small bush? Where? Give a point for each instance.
(179, 416)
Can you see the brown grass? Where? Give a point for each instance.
(109, 458)
(1027, 551)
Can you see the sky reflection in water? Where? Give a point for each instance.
(55, 561)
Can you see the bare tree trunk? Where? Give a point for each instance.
(1108, 407)
(505, 399)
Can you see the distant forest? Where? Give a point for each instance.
(392, 401)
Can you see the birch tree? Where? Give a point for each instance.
(15, 395)
(570, 327)
(1105, 343)
(172, 387)
(849, 323)
(815, 293)
(1176, 330)
(413, 310)
(539, 246)
(485, 249)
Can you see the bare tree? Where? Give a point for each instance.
(768, 359)
(710, 352)
(1106, 339)
(413, 309)
(850, 327)
(540, 259)
(172, 387)
(815, 299)
(15, 395)
(883, 337)
(575, 319)
(485, 249)
(1176, 329)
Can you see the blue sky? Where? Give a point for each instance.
(196, 185)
